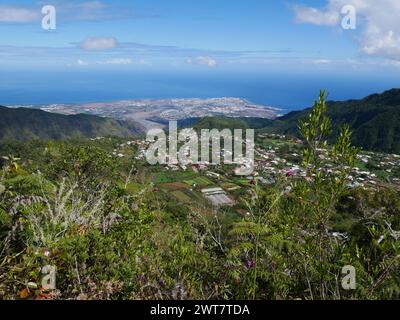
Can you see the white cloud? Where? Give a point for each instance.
(120, 61)
(99, 43)
(100, 11)
(115, 61)
(322, 61)
(82, 63)
(316, 16)
(377, 21)
(202, 60)
(71, 11)
(10, 14)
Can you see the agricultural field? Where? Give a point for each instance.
(199, 181)
(181, 196)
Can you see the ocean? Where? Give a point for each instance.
(286, 91)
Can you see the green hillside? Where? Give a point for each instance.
(30, 124)
(375, 121)
(221, 123)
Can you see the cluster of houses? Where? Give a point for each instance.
(273, 162)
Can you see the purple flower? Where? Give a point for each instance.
(250, 264)
(290, 174)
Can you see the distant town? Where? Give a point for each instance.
(152, 113)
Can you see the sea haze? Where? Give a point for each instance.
(288, 92)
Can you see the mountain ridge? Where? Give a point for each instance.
(374, 120)
(30, 124)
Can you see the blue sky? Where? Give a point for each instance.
(175, 33)
(202, 37)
